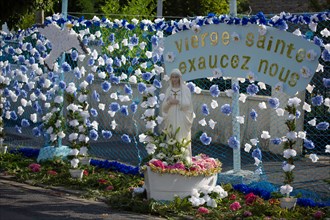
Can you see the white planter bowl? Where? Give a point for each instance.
(288, 202)
(77, 174)
(166, 186)
(85, 161)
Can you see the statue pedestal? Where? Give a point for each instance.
(233, 177)
(166, 186)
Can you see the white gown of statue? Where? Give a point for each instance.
(180, 115)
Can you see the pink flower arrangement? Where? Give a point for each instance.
(235, 206)
(109, 188)
(34, 167)
(200, 165)
(102, 181)
(52, 172)
(250, 199)
(203, 210)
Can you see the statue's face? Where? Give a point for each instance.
(175, 79)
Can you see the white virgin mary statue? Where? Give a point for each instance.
(177, 109)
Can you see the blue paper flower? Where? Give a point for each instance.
(114, 107)
(134, 40)
(106, 134)
(96, 96)
(273, 103)
(66, 67)
(125, 138)
(257, 153)
(93, 112)
(326, 82)
(146, 76)
(205, 139)
(124, 110)
(233, 142)
(276, 141)
(90, 78)
(205, 109)
(112, 37)
(157, 84)
(191, 86)
(24, 69)
(235, 87)
(25, 123)
(62, 84)
(253, 114)
(77, 73)
(226, 109)
(105, 86)
(128, 89)
(133, 107)
(32, 60)
(317, 100)
(36, 132)
(214, 90)
(74, 55)
(252, 89)
(93, 134)
(117, 62)
(154, 40)
(18, 129)
(142, 87)
(114, 79)
(109, 68)
(13, 115)
(298, 113)
(309, 144)
(322, 126)
(326, 55)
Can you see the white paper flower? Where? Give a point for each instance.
(262, 85)
(58, 99)
(307, 107)
(265, 135)
(312, 26)
(229, 92)
(302, 134)
(254, 141)
(289, 153)
(256, 161)
(240, 119)
(151, 125)
(212, 123)
(320, 68)
(247, 147)
(327, 148)
(295, 101)
(169, 57)
(74, 152)
(292, 135)
(73, 136)
(314, 158)
(58, 124)
(151, 148)
(83, 151)
(297, 32)
(198, 90)
(280, 111)
(74, 162)
(278, 87)
(149, 112)
(262, 105)
(217, 73)
(71, 88)
(214, 104)
(286, 189)
(305, 72)
(262, 29)
(132, 79)
(312, 122)
(20, 110)
(159, 119)
(327, 102)
(288, 167)
(325, 32)
(33, 117)
(101, 106)
(250, 76)
(202, 122)
(242, 97)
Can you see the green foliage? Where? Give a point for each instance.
(139, 9)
